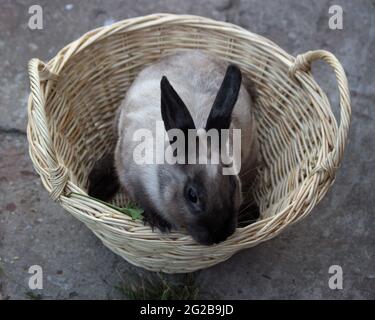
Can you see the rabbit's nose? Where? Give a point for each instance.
(224, 233)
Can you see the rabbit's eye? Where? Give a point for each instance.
(192, 195)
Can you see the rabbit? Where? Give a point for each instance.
(184, 90)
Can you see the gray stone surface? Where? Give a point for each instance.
(340, 230)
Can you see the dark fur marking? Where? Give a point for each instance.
(174, 112)
(220, 115)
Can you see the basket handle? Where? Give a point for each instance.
(303, 63)
(57, 173)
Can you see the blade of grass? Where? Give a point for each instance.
(158, 288)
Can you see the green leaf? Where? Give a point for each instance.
(131, 209)
(135, 213)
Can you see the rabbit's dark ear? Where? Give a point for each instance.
(174, 112)
(221, 113)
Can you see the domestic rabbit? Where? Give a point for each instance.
(191, 91)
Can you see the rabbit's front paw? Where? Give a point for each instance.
(155, 220)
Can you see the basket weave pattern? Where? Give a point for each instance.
(75, 95)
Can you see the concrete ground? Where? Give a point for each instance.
(294, 265)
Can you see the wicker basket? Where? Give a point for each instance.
(75, 95)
